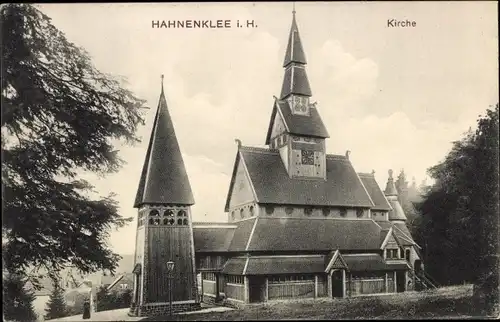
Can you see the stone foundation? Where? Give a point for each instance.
(156, 309)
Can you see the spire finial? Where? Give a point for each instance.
(390, 173)
(162, 77)
(293, 11)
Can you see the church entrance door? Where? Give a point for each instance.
(337, 283)
(256, 288)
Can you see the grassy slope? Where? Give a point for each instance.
(446, 302)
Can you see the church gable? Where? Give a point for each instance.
(240, 191)
(279, 126)
(389, 240)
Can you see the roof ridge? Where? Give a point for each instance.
(259, 149)
(336, 157)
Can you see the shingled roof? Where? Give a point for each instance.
(401, 232)
(270, 265)
(272, 184)
(296, 124)
(287, 234)
(213, 237)
(371, 262)
(164, 178)
(375, 192)
(295, 80)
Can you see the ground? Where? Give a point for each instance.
(445, 303)
(450, 302)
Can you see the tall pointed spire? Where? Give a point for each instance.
(295, 81)
(164, 178)
(390, 188)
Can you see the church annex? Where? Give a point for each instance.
(300, 222)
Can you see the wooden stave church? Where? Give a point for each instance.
(300, 224)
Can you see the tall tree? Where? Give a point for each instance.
(56, 307)
(17, 300)
(60, 116)
(460, 219)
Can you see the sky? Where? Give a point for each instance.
(395, 97)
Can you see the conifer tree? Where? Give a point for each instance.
(17, 300)
(60, 117)
(56, 307)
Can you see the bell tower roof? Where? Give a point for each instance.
(164, 179)
(295, 80)
(294, 50)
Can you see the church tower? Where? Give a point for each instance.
(296, 128)
(164, 230)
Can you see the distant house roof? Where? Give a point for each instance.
(273, 185)
(311, 125)
(375, 192)
(370, 262)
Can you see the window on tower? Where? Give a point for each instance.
(169, 213)
(343, 212)
(359, 212)
(308, 211)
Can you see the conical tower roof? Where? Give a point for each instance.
(164, 179)
(390, 188)
(295, 80)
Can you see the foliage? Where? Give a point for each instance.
(56, 307)
(60, 116)
(459, 227)
(17, 301)
(113, 300)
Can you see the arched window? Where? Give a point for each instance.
(288, 210)
(359, 212)
(185, 222)
(179, 222)
(407, 255)
(326, 211)
(182, 213)
(242, 213)
(252, 210)
(154, 213)
(169, 221)
(168, 213)
(269, 210)
(343, 212)
(308, 211)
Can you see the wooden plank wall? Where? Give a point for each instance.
(322, 285)
(288, 290)
(235, 291)
(209, 287)
(164, 244)
(390, 283)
